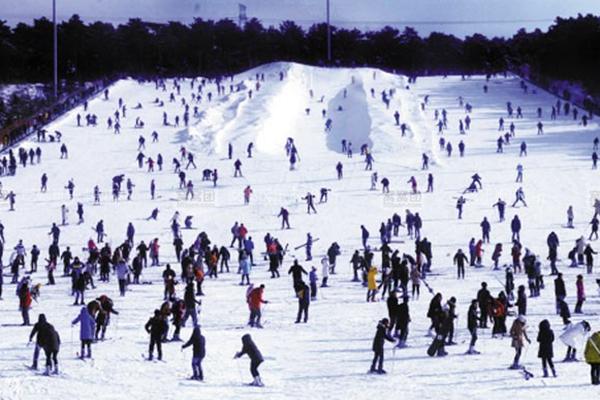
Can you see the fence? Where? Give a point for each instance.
(19, 130)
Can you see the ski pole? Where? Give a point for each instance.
(71, 342)
(237, 363)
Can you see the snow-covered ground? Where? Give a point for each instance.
(329, 356)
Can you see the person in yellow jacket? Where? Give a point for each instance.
(371, 283)
(592, 356)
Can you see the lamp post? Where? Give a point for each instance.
(328, 36)
(55, 39)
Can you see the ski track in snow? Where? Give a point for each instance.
(329, 356)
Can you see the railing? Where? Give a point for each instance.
(20, 129)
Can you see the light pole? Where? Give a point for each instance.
(55, 39)
(328, 36)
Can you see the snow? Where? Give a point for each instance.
(329, 356)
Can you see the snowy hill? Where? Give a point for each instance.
(328, 357)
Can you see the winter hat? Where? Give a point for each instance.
(521, 318)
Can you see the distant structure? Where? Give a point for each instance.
(242, 18)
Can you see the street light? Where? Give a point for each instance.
(55, 38)
(328, 36)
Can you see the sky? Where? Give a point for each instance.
(457, 17)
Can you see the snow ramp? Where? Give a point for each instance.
(350, 117)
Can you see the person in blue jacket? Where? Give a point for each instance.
(87, 325)
(198, 343)
(256, 358)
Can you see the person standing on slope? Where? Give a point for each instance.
(198, 343)
(381, 336)
(256, 358)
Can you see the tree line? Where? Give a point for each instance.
(570, 50)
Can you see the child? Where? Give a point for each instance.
(313, 278)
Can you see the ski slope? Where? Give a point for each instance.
(328, 357)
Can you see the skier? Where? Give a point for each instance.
(310, 202)
(308, 246)
(296, 271)
(256, 358)
(87, 324)
(284, 214)
(580, 294)
(255, 300)
(238, 168)
(156, 327)
(459, 206)
(523, 151)
(339, 168)
(247, 193)
(303, 294)
(323, 195)
(460, 259)
(44, 186)
(515, 226)
(11, 200)
(48, 340)
(594, 223)
(545, 339)
(198, 343)
(313, 280)
(381, 336)
(518, 333)
(501, 207)
(373, 180)
(519, 173)
(472, 319)
(574, 336)
(425, 159)
(592, 356)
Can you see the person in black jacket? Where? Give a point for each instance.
(545, 339)
(249, 348)
(472, 319)
(402, 321)
(460, 259)
(380, 337)
(156, 327)
(521, 300)
(484, 299)
(41, 329)
(392, 307)
(303, 294)
(434, 312)
(560, 292)
(198, 344)
(296, 270)
(48, 340)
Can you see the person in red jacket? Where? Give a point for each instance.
(242, 232)
(25, 302)
(247, 193)
(154, 248)
(478, 253)
(255, 299)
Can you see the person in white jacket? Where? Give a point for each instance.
(325, 271)
(575, 335)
